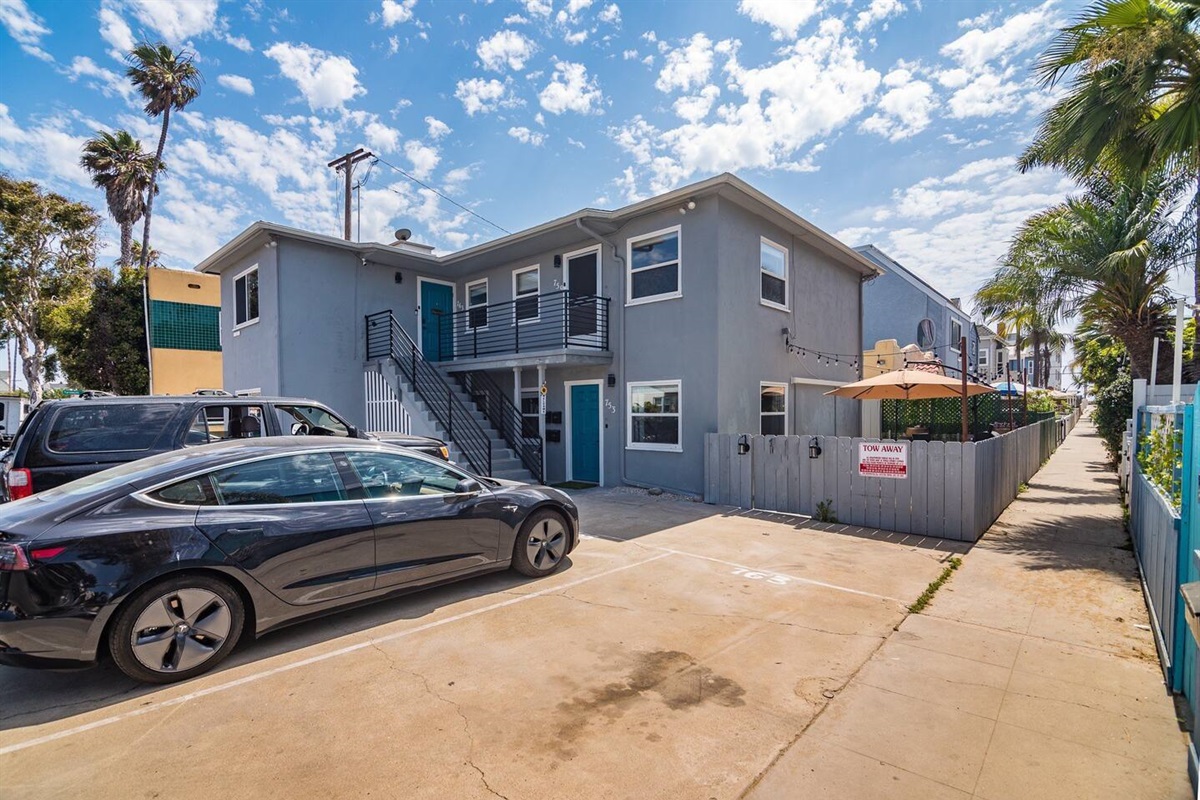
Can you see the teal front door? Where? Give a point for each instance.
(437, 301)
(585, 433)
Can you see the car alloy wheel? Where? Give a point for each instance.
(180, 630)
(547, 543)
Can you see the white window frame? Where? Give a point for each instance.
(787, 275)
(629, 415)
(536, 295)
(657, 298)
(253, 320)
(487, 294)
(983, 357)
(955, 339)
(773, 385)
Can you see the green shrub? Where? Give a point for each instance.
(825, 512)
(1160, 455)
(1114, 405)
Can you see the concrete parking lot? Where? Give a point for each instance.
(681, 651)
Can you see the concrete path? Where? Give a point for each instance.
(1031, 675)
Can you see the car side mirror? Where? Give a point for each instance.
(468, 486)
(353, 432)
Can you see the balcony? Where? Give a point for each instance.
(560, 327)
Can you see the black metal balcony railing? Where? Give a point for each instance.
(386, 339)
(506, 418)
(552, 321)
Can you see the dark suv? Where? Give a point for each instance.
(61, 440)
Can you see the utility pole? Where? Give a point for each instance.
(345, 165)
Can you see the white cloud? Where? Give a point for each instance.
(176, 22)
(571, 89)
(904, 109)
(987, 95)
(326, 81)
(526, 136)
(236, 83)
(47, 143)
(515, 19)
(107, 82)
(578, 37)
(611, 14)
(505, 48)
(696, 107)
(629, 55)
(575, 6)
(381, 137)
(773, 119)
(1017, 34)
(688, 66)
(394, 13)
(856, 235)
(115, 30)
(876, 12)
(479, 96)
(538, 8)
(784, 16)
(576, 143)
(437, 128)
(25, 27)
(240, 42)
(423, 157)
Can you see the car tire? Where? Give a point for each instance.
(542, 544)
(176, 628)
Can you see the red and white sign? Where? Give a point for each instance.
(883, 459)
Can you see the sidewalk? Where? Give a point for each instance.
(1032, 674)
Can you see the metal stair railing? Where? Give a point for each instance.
(506, 418)
(551, 321)
(387, 339)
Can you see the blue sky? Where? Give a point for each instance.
(887, 121)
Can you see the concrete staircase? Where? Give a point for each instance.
(505, 464)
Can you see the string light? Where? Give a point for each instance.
(823, 358)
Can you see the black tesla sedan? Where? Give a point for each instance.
(165, 562)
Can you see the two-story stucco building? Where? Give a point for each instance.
(599, 347)
(903, 306)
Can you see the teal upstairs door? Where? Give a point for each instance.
(437, 300)
(585, 432)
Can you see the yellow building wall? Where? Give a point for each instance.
(185, 371)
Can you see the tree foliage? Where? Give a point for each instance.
(1114, 405)
(47, 257)
(119, 167)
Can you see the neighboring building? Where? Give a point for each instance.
(998, 361)
(889, 356)
(902, 306)
(994, 352)
(646, 328)
(185, 331)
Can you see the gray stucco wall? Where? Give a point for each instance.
(250, 357)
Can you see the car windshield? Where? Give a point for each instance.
(129, 472)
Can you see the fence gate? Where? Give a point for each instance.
(384, 410)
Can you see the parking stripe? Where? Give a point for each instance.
(100, 723)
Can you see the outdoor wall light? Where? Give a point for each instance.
(558, 262)
(814, 448)
(743, 445)
(399, 277)
(612, 380)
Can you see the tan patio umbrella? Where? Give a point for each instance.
(912, 384)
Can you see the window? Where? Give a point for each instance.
(190, 492)
(304, 478)
(310, 421)
(531, 413)
(654, 417)
(387, 476)
(925, 335)
(654, 267)
(525, 294)
(773, 263)
(219, 423)
(956, 332)
(245, 297)
(983, 357)
(109, 427)
(477, 300)
(772, 404)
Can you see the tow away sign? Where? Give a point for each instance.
(883, 459)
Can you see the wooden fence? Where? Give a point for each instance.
(953, 490)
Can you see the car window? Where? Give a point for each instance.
(220, 423)
(190, 492)
(303, 478)
(306, 420)
(105, 427)
(198, 432)
(391, 475)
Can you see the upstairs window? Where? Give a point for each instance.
(525, 294)
(245, 297)
(654, 267)
(983, 357)
(773, 266)
(477, 300)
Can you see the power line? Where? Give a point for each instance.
(439, 194)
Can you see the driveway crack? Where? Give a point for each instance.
(457, 709)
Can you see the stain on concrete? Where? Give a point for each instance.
(669, 677)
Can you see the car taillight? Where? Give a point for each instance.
(20, 484)
(13, 558)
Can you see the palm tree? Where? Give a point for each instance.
(1133, 101)
(167, 80)
(125, 173)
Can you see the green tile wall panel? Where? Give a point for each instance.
(184, 326)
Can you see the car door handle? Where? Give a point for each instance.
(393, 514)
(245, 530)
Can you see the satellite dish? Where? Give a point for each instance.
(403, 234)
